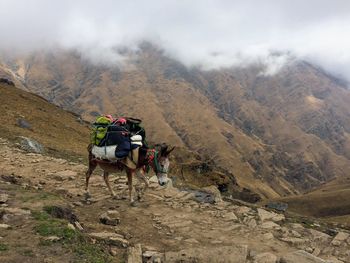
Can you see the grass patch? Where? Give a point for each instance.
(3, 247)
(49, 226)
(86, 252)
(70, 239)
(41, 196)
(27, 253)
(55, 227)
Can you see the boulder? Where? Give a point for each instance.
(319, 236)
(214, 191)
(270, 225)
(301, 256)
(279, 206)
(30, 145)
(265, 258)
(295, 241)
(135, 254)
(230, 216)
(4, 226)
(242, 210)
(151, 256)
(266, 215)
(110, 238)
(339, 238)
(110, 218)
(24, 124)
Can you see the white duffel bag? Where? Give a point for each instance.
(104, 152)
(136, 139)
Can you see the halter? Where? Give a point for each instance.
(152, 155)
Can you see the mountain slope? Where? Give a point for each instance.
(276, 135)
(61, 133)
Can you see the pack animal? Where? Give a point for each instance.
(155, 158)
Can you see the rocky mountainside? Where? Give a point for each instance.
(44, 217)
(276, 135)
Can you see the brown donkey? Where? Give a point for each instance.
(155, 158)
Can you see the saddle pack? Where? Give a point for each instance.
(113, 139)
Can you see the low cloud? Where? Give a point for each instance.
(209, 34)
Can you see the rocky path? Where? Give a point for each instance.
(168, 225)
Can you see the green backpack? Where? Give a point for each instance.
(99, 129)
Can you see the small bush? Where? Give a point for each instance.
(3, 247)
(72, 240)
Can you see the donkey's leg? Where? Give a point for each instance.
(88, 173)
(130, 173)
(105, 178)
(141, 175)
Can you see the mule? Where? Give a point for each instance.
(156, 158)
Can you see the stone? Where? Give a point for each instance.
(17, 211)
(336, 243)
(243, 210)
(279, 206)
(294, 241)
(339, 238)
(295, 233)
(252, 223)
(333, 260)
(4, 226)
(230, 216)
(318, 235)
(265, 258)
(300, 256)
(214, 191)
(152, 256)
(268, 236)
(191, 241)
(110, 219)
(110, 238)
(24, 124)
(224, 254)
(316, 251)
(53, 238)
(270, 225)
(71, 226)
(30, 145)
(4, 198)
(113, 251)
(266, 215)
(134, 254)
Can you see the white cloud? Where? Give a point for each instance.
(209, 33)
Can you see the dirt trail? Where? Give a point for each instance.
(169, 224)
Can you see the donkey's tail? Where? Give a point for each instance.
(89, 148)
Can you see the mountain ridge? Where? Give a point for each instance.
(266, 131)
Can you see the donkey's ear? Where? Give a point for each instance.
(163, 149)
(169, 151)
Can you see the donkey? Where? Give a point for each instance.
(155, 158)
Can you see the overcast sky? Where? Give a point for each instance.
(197, 32)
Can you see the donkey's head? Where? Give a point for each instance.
(161, 164)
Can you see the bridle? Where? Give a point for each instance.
(153, 161)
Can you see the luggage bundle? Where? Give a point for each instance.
(115, 139)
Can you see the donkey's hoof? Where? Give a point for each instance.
(133, 204)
